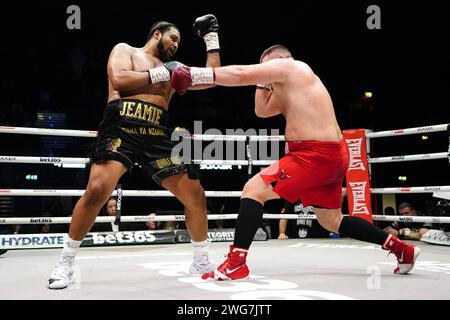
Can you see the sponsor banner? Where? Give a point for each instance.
(32, 241)
(56, 240)
(425, 129)
(216, 167)
(405, 219)
(442, 195)
(124, 238)
(432, 189)
(214, 235)
(218, 235)
(358, 182)
(436, 237)
(41, 220)
(49, 160)
(182, 236)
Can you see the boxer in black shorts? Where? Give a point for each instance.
(134, 131)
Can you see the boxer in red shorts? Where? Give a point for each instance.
(307, 172)
(314, 166)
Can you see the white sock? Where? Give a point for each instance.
(71, 247)
(200, 248)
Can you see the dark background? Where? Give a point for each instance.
(47, 68)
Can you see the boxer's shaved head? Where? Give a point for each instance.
(278, 50)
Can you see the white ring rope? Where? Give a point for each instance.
(411, 189)
(47, 160)
(57, 160)
(399, 132)
(126, 193)
(93, 134)
(206, 137)
(229, 137)
(49, 132)
(231, 216)
(227, 194)
(212, 137)
(412, 157)
(203, 137)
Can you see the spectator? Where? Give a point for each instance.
(408, 230)
(16, 228)
(46, 228)
(303, 228)
(220, 224)
(110, 209)
(152, 225)
(388, 211)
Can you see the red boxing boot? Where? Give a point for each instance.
(406, 253)
(234, 268)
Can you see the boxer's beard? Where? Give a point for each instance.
(162, 52)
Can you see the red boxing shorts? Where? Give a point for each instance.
(312, 171)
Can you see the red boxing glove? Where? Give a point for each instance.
(181, 79)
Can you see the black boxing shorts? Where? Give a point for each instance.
(134, 132)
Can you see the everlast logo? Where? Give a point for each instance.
(425, 129)
(141, 111)
(433, 189)
(359, 197)
(50, 160)
(354, 147)
(40, 220)
(7, 158)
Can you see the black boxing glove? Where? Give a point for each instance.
(205, 24)
(172, 65)
(207, 27)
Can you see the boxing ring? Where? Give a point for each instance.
(304, 269)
